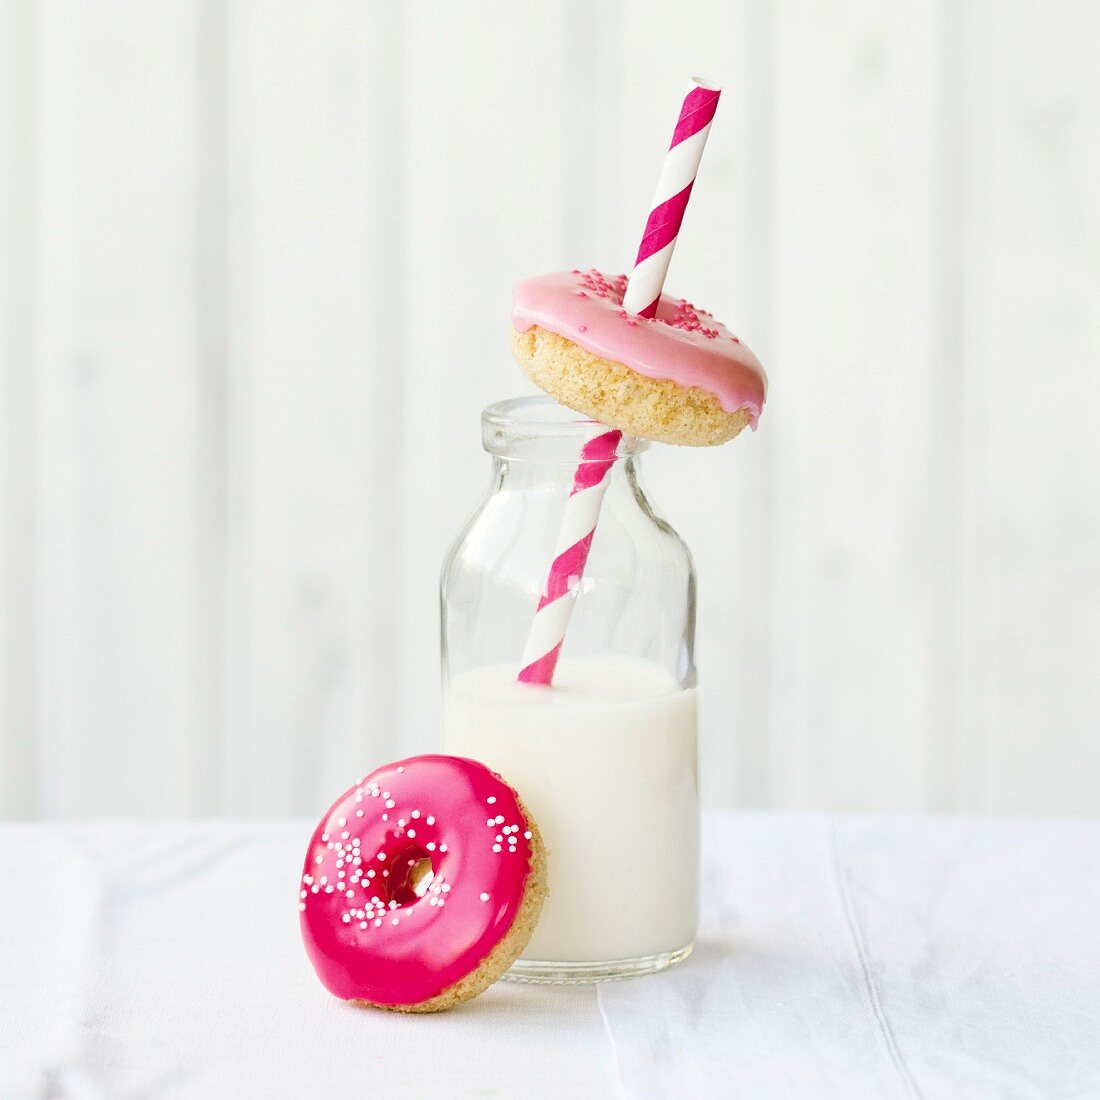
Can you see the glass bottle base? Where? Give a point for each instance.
(536, 972)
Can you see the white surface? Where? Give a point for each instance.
(840, 957)
(255, 265)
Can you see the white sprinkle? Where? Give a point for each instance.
(344, 836)
(315, 889)
(416, 813)
(385, 794)
(499, 839)
(430, 845)
(496, 847)
(324, 836)
(401, 823)
(377, 923)
(302, 894)
(527, 835)
(432, 902)
(319, 859)
(301, 906)
(370, 873)
(400, 770)
(412, 832)
(445, 887)
(443, 847)
(358, 813)
(343, 821)
(362, 924)
(500, 819)
(430, 820)
(390, 803)
(396, 920)
(385, 817)
(491, 799)
(381, 857)
(346, 918)
(484, 897)
(491, 822)
(350, 894)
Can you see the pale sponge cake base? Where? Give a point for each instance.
(507, 950)
(622, 398)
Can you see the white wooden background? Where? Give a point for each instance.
(255, 265)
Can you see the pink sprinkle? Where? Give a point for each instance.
(583, 328)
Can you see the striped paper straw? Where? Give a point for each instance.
(643, 292)
(578, 525)
(670, 201)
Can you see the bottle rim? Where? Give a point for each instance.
(539, 428)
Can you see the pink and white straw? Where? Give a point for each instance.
(582, 510)
(671, 198)
(643, 293)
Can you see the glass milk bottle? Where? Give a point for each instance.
(606, 757)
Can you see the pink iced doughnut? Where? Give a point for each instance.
(421, 885)
(679, 377)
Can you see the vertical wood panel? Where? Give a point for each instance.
(1041, 337)
(962, 653)
(18, 726)
(854, 313)
(116, 417)
(315, 140)
(210, 322)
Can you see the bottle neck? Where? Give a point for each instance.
(539, 430)
(520, 474)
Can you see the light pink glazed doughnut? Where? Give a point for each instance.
(680, 377)
(421, 885)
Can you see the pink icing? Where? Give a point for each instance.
(683, 344)
(367, 933)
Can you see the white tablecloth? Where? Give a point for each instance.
(839, 957)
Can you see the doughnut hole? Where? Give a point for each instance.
(411, 874)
